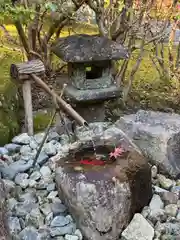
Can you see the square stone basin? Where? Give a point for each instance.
(102, 199)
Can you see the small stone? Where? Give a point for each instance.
(42, 159)
(36, 175)
(22, 223)
(169, 197)
(12, 147)
(46, 173)
(64, 139)
(171, 219)
(45, 208)
(41, 184)
(16, 156)
(59, 238)
(171, 210)
(21, 179)
(50, 149)
(32, 183)
(14, 225)
(49, 219)
(58, 208)
(52, 195)
(70, 218)
(22, 209)
(16, 237)
(28, 197)
(168, 228)
(42, 200)
(22, 139)
(35, 218)
(51, 187)
(25, 150)
(178, 182)
(9, 185)
(59, 221)
(18, 190)
(39, 137)
(154, 171)
(29, 233)
(42, 193)
(58, 146)
(178, 204)
(3, 151)
(156, 202)
(56, 200)
(71, 237)
(33, 144)
(53, 136)
(176, 190)
(138, 229)
(43, 233)
(11, 203)
(157, 215)
(145, 212)
(26, 158)
(9, 172)
(61, 231)
(157, 234)
(79, 234)
(165, 182)
(167, 237)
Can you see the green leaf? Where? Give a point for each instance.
(51, 6)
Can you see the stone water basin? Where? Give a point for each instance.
(103, 199)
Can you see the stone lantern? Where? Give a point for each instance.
(91, 82)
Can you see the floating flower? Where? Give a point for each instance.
(117, 152)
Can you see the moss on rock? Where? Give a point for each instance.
(9, 125)
(41, 120)
(9, 104)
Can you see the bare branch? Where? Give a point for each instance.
(178, 56)
(56, 23)
(33, 28)
(134, 70)
(60, 27)
(22, 36)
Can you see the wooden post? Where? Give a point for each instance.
(27, 97)
(21, 74)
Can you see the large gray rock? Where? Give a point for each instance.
(157, 134)
(103, 200)
(9, 172)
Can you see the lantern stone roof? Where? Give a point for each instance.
(88, 48)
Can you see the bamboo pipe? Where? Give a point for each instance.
(65, 106)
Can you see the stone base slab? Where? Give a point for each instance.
(92, 95)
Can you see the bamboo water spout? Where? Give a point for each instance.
(63, 104)
(24, 73)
